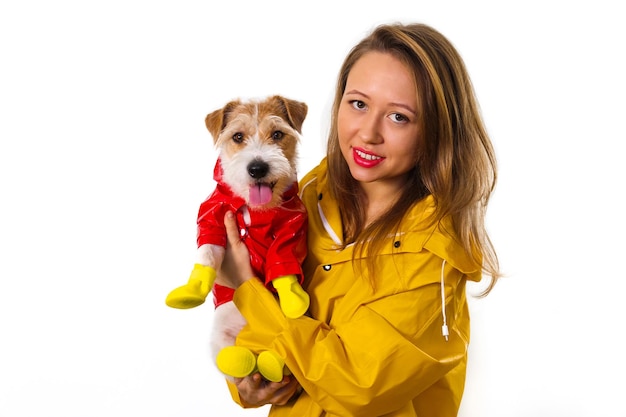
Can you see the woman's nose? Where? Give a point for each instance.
(369, 131)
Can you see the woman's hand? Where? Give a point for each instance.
(235, 269)
(255, 391)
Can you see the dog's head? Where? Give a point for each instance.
(258, 142)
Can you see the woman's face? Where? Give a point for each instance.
(378, 120)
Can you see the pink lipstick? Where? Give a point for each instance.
(366, 159)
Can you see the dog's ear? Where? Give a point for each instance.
(295, 111)
(216, 121)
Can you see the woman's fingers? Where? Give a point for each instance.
(286, 391)
(255, 391)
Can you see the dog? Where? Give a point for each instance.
(256, 176)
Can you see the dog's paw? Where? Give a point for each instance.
(236, 361)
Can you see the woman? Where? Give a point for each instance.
(396, 228)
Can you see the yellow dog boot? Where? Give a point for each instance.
(195, 291)
(271, 366)
(294, 301)
(236, 361)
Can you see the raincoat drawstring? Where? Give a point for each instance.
(444, 328)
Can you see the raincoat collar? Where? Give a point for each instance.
(417, 231)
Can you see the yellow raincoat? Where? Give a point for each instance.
(363, 351)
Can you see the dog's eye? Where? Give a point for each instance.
(277, 135)
(238, 137)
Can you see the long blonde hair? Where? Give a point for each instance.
(456, 163)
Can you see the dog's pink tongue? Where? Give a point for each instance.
(260, 194)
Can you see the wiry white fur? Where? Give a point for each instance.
(236, 166)
(210, 255)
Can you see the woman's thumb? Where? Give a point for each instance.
(231, 228)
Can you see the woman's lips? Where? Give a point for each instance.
(365, 159)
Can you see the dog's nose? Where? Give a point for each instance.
(258, 169)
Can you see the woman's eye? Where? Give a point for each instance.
(358, 104)
(277, 135)
(238, 137)
(399, 118)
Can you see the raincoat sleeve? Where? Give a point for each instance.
(384, 355)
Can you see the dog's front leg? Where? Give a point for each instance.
(211, 255)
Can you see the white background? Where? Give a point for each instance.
(104, 159)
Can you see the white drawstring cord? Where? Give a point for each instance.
(444, 328)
